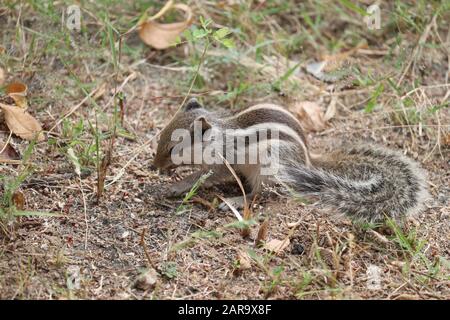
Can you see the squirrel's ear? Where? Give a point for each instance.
(191, 105)
(201, 122)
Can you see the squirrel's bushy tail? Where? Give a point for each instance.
(366, 182)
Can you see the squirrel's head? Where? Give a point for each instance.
(180, 127)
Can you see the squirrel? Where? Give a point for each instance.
(367, 182)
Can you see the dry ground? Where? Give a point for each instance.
(95, 250)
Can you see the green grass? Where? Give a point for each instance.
(184, 206)
(12, 183)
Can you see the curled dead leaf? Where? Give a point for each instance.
(22, 123)
(18, 199)
(244, 260)
(377, 237)
(163, 35)
(310, 115)
(18, 91)
(446, 140)
(262, 233)
(331, 110)
(277, 246)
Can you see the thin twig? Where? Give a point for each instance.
(7, 142)
(144, 247)
(85, 214)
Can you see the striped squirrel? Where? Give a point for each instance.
(367, 182)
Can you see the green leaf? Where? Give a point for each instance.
(199, 33)
(244, 224)
(28, 151)
(188, 35)
(277, 84)
(194, 237)
(438, 107)
(177, 41)
(183, 244)
(228, 43)
(205, 23)
(256, 257)
(206, 234)
(169, 269)
(373, 100)
(36, 213)
(221, 33)
(350, 5)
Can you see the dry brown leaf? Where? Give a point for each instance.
(446, 140)
(19, 200)
(244, 260)
(22, 123)
(262, 233)
(398, 264)
(163, 35)
(377, 237)
(18, 91)
(277, 246)
(310, 115)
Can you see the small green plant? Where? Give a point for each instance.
(374, 98)
(409, 242)
(241, 225)
(185, 203)
(11, 185)
(8, 207)
(196, 35)
(354, 7)
(202, 38)
(73, 134)
(169, 269)
(196, 236)
(366, 225)
(275, 280)
(306, 280)
(276, 86)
